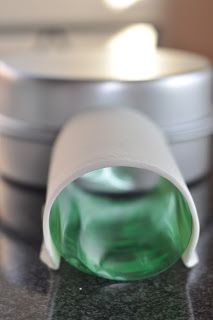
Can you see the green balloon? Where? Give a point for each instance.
(121, 237)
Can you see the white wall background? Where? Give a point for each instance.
(22, 12)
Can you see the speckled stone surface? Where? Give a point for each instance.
(28, 290)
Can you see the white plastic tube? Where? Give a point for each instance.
(108, 138)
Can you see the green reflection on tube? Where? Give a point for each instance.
(121, 237)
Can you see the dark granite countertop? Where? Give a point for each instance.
(28, 290)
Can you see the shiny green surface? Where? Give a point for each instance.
(121, 238)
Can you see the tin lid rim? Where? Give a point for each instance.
(21, 130)
(14, 73)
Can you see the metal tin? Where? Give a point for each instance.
(39, 91)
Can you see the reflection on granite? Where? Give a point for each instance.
(20, 210)
(28, 290)
(24, 281)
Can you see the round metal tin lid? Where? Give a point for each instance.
(101, 64)
(44, 89)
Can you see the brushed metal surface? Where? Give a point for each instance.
(40, 91)
(44, 94)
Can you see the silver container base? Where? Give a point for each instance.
(28, 162)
